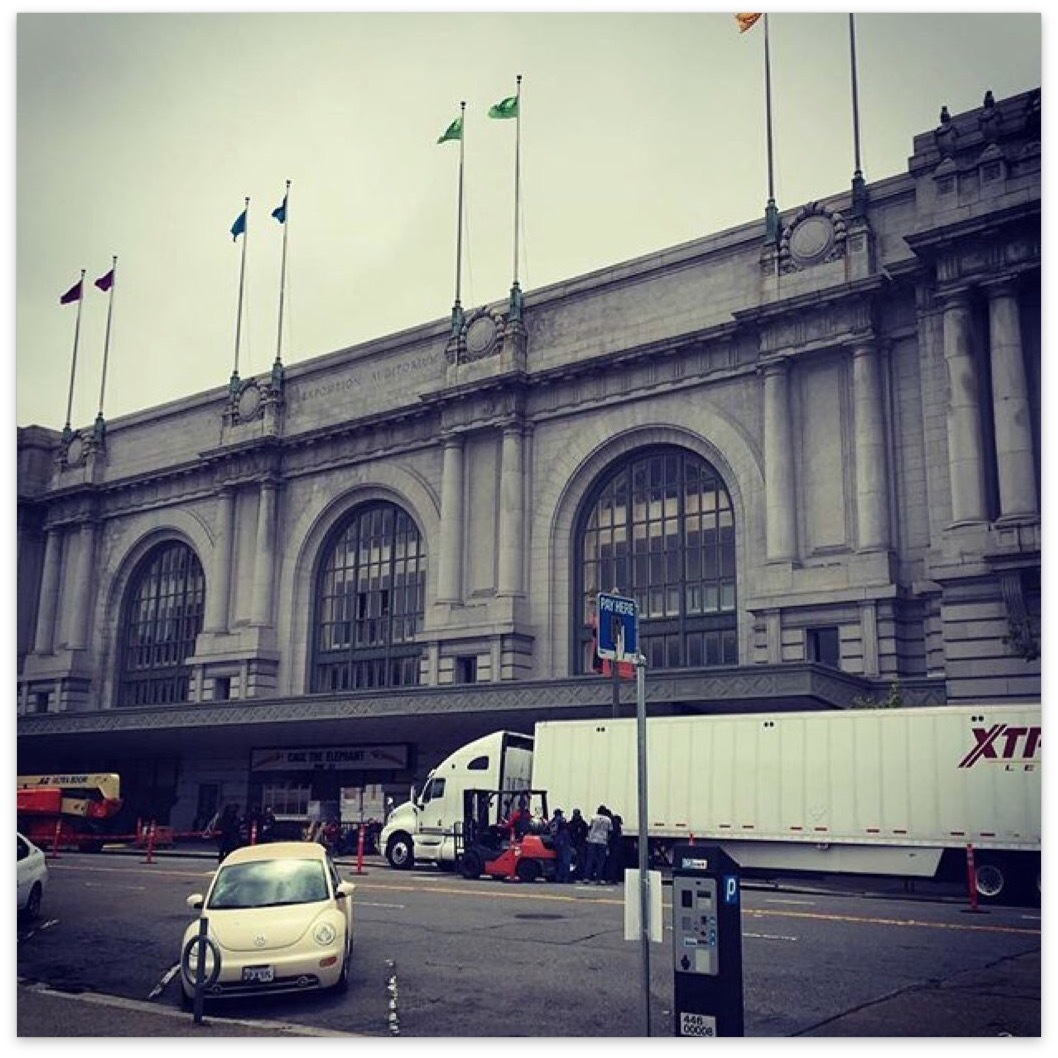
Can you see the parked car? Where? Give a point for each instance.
(278, 919)
(32, 877)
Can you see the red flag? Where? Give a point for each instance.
(73, 294)
(105, 282)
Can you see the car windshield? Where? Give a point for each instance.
(269, 883)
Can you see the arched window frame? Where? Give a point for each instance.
(686, 594)
(161, 615)
(368, 607)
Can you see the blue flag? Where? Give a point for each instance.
(239, 227)
(280, 212)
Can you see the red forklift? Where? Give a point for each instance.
(504, 835)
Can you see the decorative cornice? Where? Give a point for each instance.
(778, 687)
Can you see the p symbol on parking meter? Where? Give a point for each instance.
(730, 889)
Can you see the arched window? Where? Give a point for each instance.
(658, 527)
(163, 615)
(369, 602)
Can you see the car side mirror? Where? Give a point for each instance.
(195, 901)
(345, 889)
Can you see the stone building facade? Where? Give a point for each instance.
(813, 459)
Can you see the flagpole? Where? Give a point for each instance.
(73, 362)
(859, 189)
(771, 213)
(242, 278)
(517, 168)
(282, 272)
(106, 340)
(457, 307)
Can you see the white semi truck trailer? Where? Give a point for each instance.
(900, 792)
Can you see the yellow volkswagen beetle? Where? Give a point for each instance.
(277, 919)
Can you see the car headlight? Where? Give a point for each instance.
(324, 933)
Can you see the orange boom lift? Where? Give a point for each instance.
(68, 811)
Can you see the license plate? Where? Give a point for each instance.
(263, 974)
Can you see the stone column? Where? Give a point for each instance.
(780, 503)
(82, 589)
(44, 640)
(219, 591)
(511, 520)
(1010, 406)
(872, 478)
(965, 449)
(264, 558)
(450, 560)
(869, 637)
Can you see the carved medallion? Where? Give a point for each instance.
(249, 402)
(815, 235)
(481, 334)
(75, 451)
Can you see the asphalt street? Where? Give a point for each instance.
(1000, 999)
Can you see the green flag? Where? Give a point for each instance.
(454, 131)
(507, 108)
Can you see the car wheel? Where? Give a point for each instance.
(399, 852)
(32, 909)
(472, 864)
(342, 984)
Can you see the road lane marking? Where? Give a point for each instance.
(82, 869)
(37, 929)
(166, 978)
(870, 920)
(510, 892)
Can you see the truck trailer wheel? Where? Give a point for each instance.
(399, 852)
(992, 879)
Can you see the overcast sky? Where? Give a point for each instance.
(140, 136)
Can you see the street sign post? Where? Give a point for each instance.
(617, 631)
(618, 627)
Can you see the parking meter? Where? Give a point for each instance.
(706, 942)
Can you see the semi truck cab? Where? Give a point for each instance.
(423, 829)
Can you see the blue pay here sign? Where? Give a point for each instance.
(618, 621)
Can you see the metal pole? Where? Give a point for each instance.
(200, 969)
(855, 95)
(282, 272)
(517, 167)
(242, 283)
(459, 209)
(73, 361)
(644, 881)
(106, 340)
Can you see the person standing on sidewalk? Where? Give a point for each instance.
(559, 831)
(598, 833)
(578, 836)
(229, 829)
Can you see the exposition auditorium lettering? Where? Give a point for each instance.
(366, 378)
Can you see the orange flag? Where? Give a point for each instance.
(746, 22)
